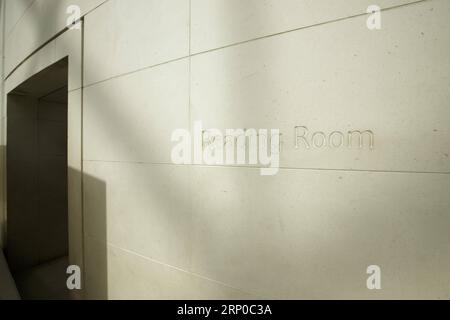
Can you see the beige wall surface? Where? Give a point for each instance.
(39, 21)
(153, 229)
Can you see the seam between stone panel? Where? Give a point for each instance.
(189, 72)
(246, 41)
(83, 245)
(173, 267)
(21, 16)
(96, 7)
(305, 27)
(17, 66)
(281, 167)
(191, 220)
(34, 52)
(3, 132)
(135, 71)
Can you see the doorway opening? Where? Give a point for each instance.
(37, 200)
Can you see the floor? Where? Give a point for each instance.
(8, 290)
(44, 282)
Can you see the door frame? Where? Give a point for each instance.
(68, 43)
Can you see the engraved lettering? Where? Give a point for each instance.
(322, 140)
(301, 134)
(360, 135)
(332, 139)
(354, 139)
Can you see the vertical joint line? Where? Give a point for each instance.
(81, 161)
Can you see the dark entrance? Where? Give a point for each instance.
(37, 210)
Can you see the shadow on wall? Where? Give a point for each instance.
(283, 267)
(43, 281)
(48, 280)
(44, 196)
(96, 251)
(95, 210)
(122, 129)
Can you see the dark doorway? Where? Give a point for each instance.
(37, 207)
